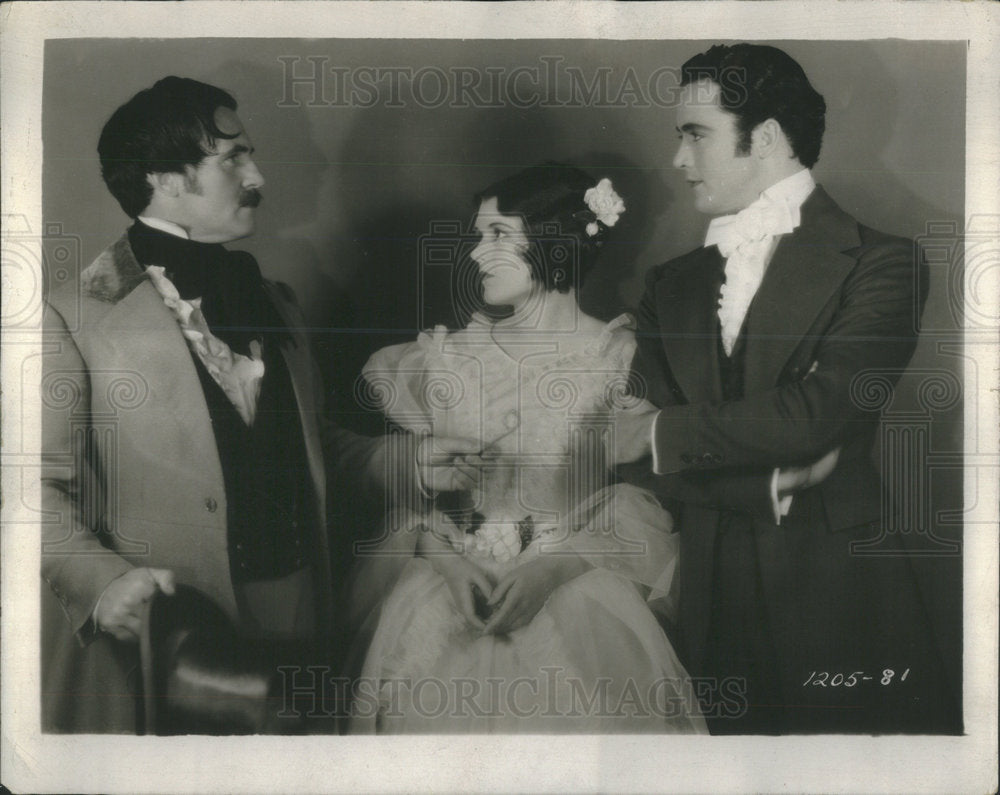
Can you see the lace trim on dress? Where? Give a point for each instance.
(440, 342)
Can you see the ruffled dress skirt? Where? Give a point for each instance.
(593, 660)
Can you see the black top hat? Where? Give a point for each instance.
(200, 676)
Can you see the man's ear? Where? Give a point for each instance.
(166, 183)
(768, 138)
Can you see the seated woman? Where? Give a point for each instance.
(529, 606)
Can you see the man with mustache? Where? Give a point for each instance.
(182, 425)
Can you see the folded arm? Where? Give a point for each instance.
(724, 454)
(873, 329)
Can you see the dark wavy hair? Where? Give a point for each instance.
(759, 83)
(160, 130)
(549, 200)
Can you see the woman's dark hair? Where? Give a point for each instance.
(760, 83)
(161, 129)
(549, 199)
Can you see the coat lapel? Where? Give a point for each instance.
(806, 269)
(303, 374)
(686, 306)
(299, 362)
(142, 336)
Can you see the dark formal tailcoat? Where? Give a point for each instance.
(838, 302)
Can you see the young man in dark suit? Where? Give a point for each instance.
(751, 346)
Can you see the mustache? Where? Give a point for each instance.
(251, 198)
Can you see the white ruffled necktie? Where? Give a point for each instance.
(744, 240)
(239, 376)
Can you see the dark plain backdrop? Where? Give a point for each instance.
(352, 191)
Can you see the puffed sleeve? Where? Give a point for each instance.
(618, 348)
(399, 377)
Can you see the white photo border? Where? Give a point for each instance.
(51, 763)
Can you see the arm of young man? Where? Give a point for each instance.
(741, 443)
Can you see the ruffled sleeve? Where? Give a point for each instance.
(616, 343)
(400, 380)
(614, 349)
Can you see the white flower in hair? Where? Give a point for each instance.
(603, 202)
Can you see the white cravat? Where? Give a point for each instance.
(746, 240)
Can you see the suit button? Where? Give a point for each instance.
(239, 547)
(211, 504)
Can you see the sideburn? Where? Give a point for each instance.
(191, 182)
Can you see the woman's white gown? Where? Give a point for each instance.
(594, 659)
